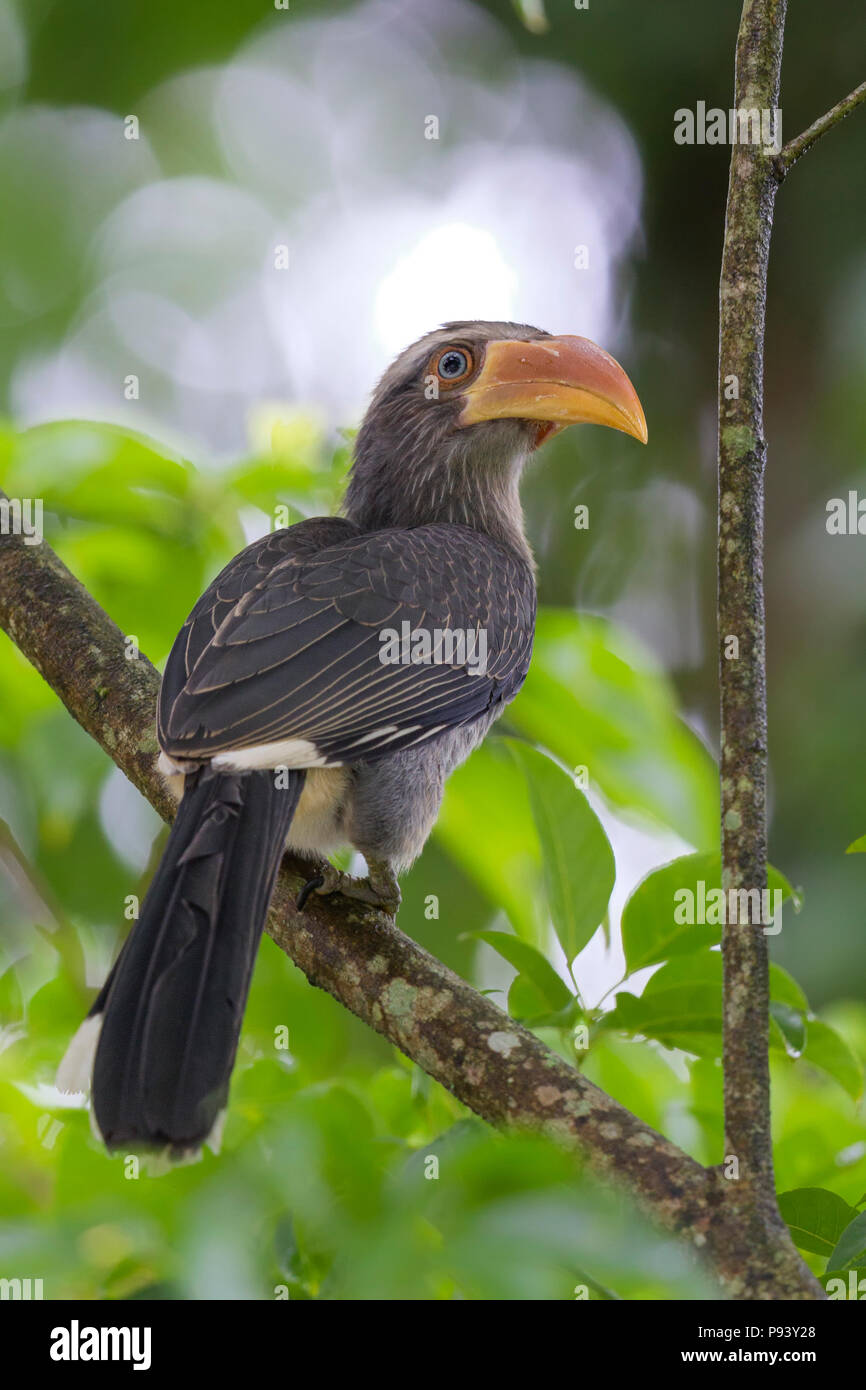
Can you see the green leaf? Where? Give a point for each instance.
(525, 1000)
(816, 1218)
(653, 928)
(532, 964)
(486, 825)
(857, 846)
(579, 867)
(681, 1005)
(597, 699)
(792, 1025)
(100, 472)
(785, 990)
(649, 931)
(707, 969)
(850, 1252)
(827, 1049)
(687, 1017)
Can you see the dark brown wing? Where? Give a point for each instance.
(293, 544)
(297, 655)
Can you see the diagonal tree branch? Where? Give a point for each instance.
(795, 149)
(491, 1063)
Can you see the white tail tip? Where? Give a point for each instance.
(76, 1068)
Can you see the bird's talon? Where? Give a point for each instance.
(379, 890)
(312, 885)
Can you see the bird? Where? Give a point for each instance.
(320, 693)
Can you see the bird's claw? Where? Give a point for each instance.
(311, 885)
(380, 888)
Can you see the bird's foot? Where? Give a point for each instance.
(380, 888)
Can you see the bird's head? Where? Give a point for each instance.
(457, 414)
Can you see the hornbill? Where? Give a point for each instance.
(285, 726)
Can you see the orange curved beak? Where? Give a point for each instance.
(560, 381)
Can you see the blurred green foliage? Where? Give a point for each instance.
(322, 1186)
(345, 1172)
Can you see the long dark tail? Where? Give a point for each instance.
(172, 1008)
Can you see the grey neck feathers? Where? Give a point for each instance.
(471, 479)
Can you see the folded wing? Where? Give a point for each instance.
(287, 644)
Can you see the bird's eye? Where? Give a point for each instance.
(453, 365)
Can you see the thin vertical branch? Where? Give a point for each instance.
(742, 454)
(756, 172)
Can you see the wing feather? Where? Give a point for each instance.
(286, 643)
